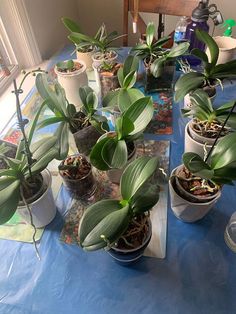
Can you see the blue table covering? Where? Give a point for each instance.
(197, 276)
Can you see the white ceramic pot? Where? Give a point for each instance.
(71, 83)
(86, 57)
(227, 47)
(195, 145)
(185, 210)
(43, 209)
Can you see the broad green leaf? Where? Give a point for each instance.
(71, 25)
(9, 198)
(42, 163)
(200, 99)
(124, 127)
(136, 174)
(187, 83)
(8, 172)
(200, 55)
(43, 145)
(157, 67)
(115, 154)
(129, 80)
(145, 198)
(178, 50)
(150, 33)
(63, 142)
(131, 64)
(94, 214)
(225, 108)
(5, 182)
(228, 67)
(110, 228)
(127, 97)
(196, 165)
(96, 158)
(210, 43)
(160, 42)
(231, 122)
(121, 76)
(49, 121)
(111, 99)
(140, 113)
(224, 152)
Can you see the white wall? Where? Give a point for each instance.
(45, 17)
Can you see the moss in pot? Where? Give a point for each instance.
(110, 223)
(86, 125)
(77, 175)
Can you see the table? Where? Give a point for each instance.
(198, 276)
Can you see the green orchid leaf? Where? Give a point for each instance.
(114, 153)
(71, 25)
(179, 50)
(224, 108)
(8, 172)
(136, 174)
(200, 55)
(63, 142)
(196, 165)
(129, 80)
(126, 97)
(96, 158)
(50, 121)
(157, 67)
(145, 198)
(71, 109)
(9, 199)
(121, 76)
(105, 218)
(231, 122)
(124, 126)
(210, 43)
(111, 99)
(224, 69)
(94, 214)
(140, 113)
(150, 33)
(187, 83)
(131, 64)
(160, 42)
(224, 152)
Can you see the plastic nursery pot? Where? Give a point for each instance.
(184, 209)
(43, 209)
(126, 256)
(196, 143)
(71, 81)
(164, 81)
(86, 57)
(99, 57)
(114, 175)
(227, 49)
(108, 79)
(85, 139)
(78, 178)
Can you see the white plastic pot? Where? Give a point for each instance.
(185, 210)
(198, 144)
(71, 82)
(98, 60)
(227, 47)
(86, 57)
(43, 209)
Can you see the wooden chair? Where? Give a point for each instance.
(162, 7)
